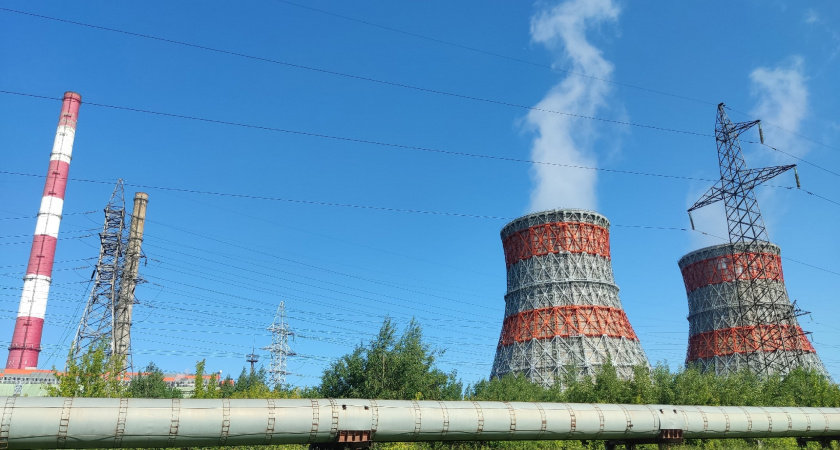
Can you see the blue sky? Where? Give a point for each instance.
(452, 77)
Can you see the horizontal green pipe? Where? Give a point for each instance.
(53, 422)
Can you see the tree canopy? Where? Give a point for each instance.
(96, 375)
(391, 367)
(150, 384)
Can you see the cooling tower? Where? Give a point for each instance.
(739, 313)
(562, 310)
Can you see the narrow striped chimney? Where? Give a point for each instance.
(26, 340)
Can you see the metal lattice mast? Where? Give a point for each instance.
(253, 359)
(97, 323)
(279, 348)
(739, 312)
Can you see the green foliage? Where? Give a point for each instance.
(391, 367)
(96, 375)
(659, 385)
(250, 385)
(206, 388)
(150, 384)
(512, 387)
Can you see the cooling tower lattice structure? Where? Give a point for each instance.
(562, 310)
(739, 313)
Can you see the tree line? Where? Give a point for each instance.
(401, 366)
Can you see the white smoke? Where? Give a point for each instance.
(565, 139)
(782, 104)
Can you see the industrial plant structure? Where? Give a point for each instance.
(562, 309)
(107, 317)
(739, 313)
(26, 338)
(732, 326)
(334, 424)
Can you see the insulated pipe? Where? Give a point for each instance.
(26, 339)
(54, 422)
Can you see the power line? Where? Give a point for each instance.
(797, 158)
(497, 55)
(785, 130)
(417, 88)
(384, 144)
(367, 141)
(35, 216)
(355, 77)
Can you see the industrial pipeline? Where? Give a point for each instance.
(55, 422)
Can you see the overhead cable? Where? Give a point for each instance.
(356, 77)
(497, 55)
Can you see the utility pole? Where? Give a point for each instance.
(252, 358)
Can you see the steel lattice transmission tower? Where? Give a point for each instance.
(97, 323)
(740, 315)
(279, 348)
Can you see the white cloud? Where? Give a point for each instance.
(781, 104)
(811, 16)
(565, 139)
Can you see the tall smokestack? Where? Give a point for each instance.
(125, 302)
(26, 340)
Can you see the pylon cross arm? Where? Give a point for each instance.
(754, 177)
(713, 195)
(730, 131)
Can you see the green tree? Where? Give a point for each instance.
(206, 389)
(641, 389)
(150, 384)
(609, 388)
(391, 367)
(511, 388)
(249, 385)
(96, 375)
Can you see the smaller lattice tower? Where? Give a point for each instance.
(279, 348)
(739, 313)
(562, 311)
(97, 323)
(253, 358)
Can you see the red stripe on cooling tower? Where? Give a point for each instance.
(70, 109)
(751, 339)
(56, 182)
(725, 268)
(558, 237)
(41, 256)
(26, 343)
(566, 321)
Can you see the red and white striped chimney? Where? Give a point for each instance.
(26, 340)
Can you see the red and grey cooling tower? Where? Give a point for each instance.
(739, 313)
(26, 340)
(562, 308)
